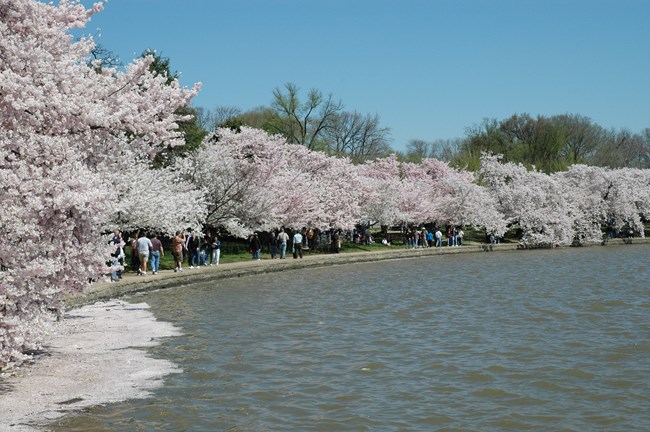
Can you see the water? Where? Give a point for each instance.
(554, 340)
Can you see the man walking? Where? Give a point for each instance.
(297, 245)
(283, 239)
(156, 252)
(144, 246)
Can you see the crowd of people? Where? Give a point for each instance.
(194, 250)
(197, 249)
(200, 249)
(306, 239)
(147, 249)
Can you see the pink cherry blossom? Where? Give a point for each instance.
(74, 144)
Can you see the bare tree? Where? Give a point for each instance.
(645, 142)
(304, 123)
(620, 149)
(107, 59)
(441, 149)
(205, 118)
(223, 113)
(211, 119)
(417, 149)
(446, 149)
(582, 137)
(357, 136)
(632, 150)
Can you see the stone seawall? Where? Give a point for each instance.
(131, 283)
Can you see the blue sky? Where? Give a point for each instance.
(430, 69)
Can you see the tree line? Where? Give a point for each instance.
(550, 143)
(320, 122)
(95, 147)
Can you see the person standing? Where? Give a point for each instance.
(133, 242)
(156, 252)
(216, 250)
(273, 244)
(193, 246)
(297, 245)
(209, 241)
(283, 239)
(310, 238)
(255, 246)
(144, 248)
(177, 251)
(336, 241)
(438, 238)
(187, 247)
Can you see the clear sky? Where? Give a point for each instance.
(428, 68)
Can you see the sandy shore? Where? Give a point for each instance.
(95, 357)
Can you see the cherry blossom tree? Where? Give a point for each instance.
(254, 181)
(567, 207)
(586, 190)
(534, 201)
(232, 170)
(628, 198)
(317, 190)
(380, 191)
(467, 203)
(67, 131)
(151, 198)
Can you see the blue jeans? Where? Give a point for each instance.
(283, 250)
(208, 256)
(256, 254)
(154, 261)
(114, 274)
(195, 258)
(438, 242)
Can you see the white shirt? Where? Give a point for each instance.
(144, 245)
(283, 237)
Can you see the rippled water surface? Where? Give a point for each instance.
(541, 340)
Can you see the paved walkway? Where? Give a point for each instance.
(132, 283)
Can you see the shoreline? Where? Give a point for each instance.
(95, 355)
(132, 283)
